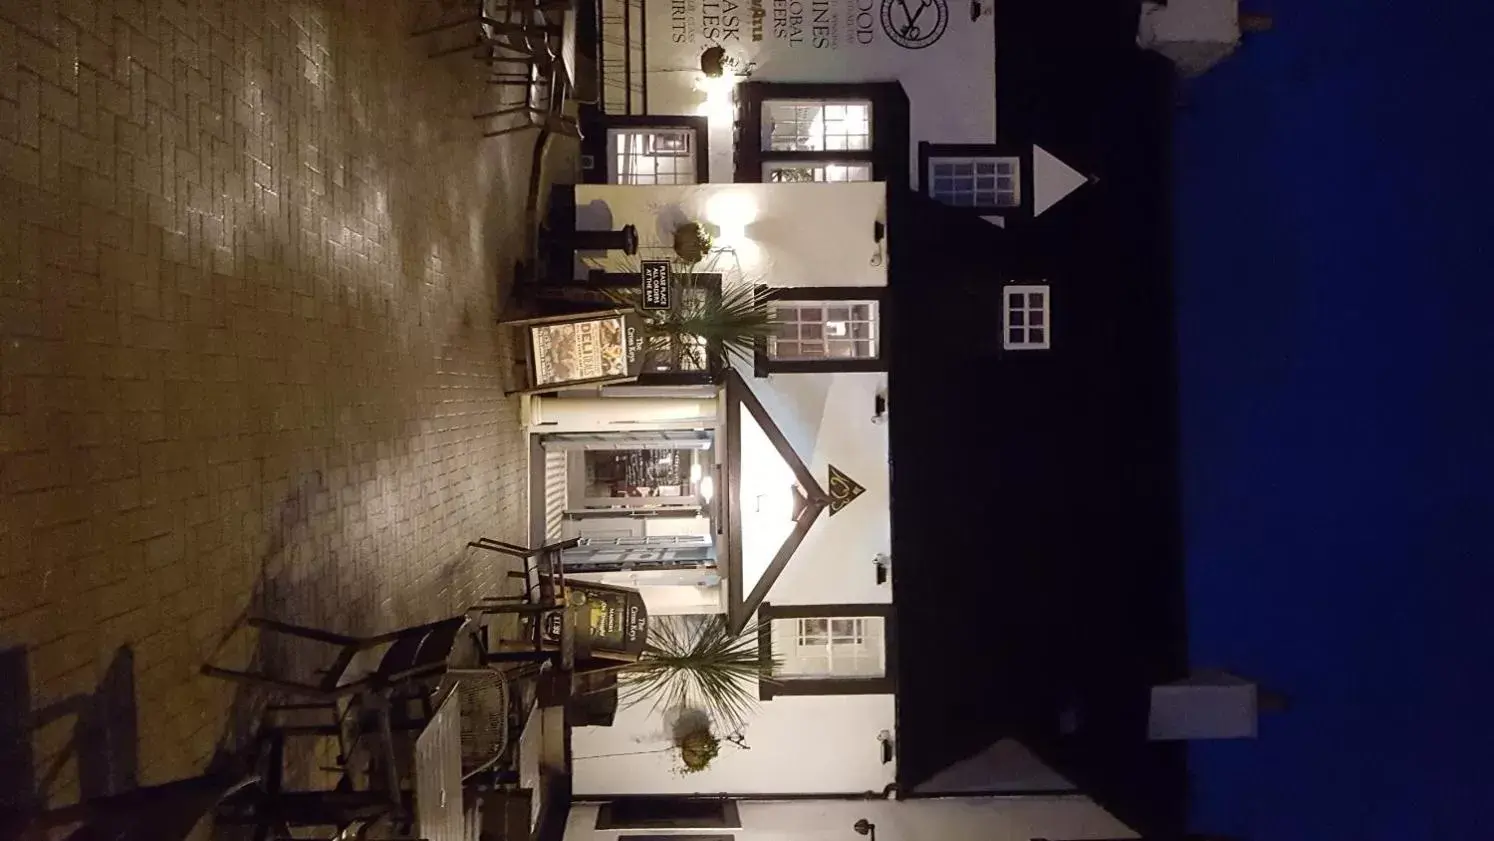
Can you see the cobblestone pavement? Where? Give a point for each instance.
(248, 259)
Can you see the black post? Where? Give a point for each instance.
(624, 239)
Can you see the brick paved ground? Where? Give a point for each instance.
(248, 254)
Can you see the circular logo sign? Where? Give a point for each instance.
(915, 24)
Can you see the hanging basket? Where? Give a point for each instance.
(697, 750)
(713, 62)
(692, 242)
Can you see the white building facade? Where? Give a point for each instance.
(762, 492)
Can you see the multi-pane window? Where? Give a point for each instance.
(796, 125)
(652, 156)
(829, 647)
(1025, 318)
(806, 331)
(976, 182)
(783, 172)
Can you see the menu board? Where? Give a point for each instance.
(615, 625)
(587, 349)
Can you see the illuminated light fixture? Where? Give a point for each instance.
(731, 212)
(718, 104)
(707, 488)
(695, 472)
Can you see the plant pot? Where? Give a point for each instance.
(691, 242)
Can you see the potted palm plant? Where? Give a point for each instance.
(730, 324)
(696, 663)
(702, 678)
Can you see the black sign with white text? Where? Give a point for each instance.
(655, 280)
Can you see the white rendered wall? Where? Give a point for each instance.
(798, 743)
(778, 234)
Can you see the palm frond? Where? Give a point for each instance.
(696, 664)
(735, 321)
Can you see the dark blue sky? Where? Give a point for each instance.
(1336, 319)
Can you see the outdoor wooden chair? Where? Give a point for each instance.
(541, 106)
(476, 26)
(543, 573)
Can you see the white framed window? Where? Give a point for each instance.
(812, 331)
(780, 172)
(1025, 318)
(976, 182)
(651, 156)
(829, 647)
(802, 125)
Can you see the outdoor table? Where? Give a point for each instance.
(439, 813)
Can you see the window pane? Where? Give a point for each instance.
(816, 330)
(1025, 318)
(654, 156)
(974, 182)
(817, 649)
(809, 125)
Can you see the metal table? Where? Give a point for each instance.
(439, 813)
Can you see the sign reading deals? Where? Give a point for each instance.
(588, 348)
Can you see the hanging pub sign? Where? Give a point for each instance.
(843, 489)
(655, 278)
(596, 348)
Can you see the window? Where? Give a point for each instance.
(1026, 325)
(791, 125)
(652, 156)
(976, 182)
(806, 331)
(816, 171)
(816, 647)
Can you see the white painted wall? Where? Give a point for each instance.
(798, 743)
(962, 819)
(785, 234)
(827, 419)
(950, 80)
